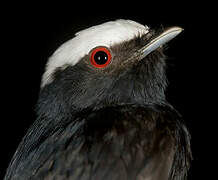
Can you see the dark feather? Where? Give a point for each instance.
(121, 142)
(106, 125)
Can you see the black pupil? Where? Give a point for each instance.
(100, 57)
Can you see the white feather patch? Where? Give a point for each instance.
(106, 34)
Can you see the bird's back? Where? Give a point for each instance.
(125, 142)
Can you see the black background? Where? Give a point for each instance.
(31, 32)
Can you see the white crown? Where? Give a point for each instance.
(106, 34)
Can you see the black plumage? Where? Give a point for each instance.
(106, 124)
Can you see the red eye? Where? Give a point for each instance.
(100, 57)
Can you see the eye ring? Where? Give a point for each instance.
(100, 57)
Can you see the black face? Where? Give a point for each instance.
(94, 85)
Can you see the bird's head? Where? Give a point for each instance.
(115, 63)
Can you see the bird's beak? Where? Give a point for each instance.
(157, 42)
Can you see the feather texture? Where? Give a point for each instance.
(125, 142)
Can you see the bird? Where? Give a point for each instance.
(102, 112)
